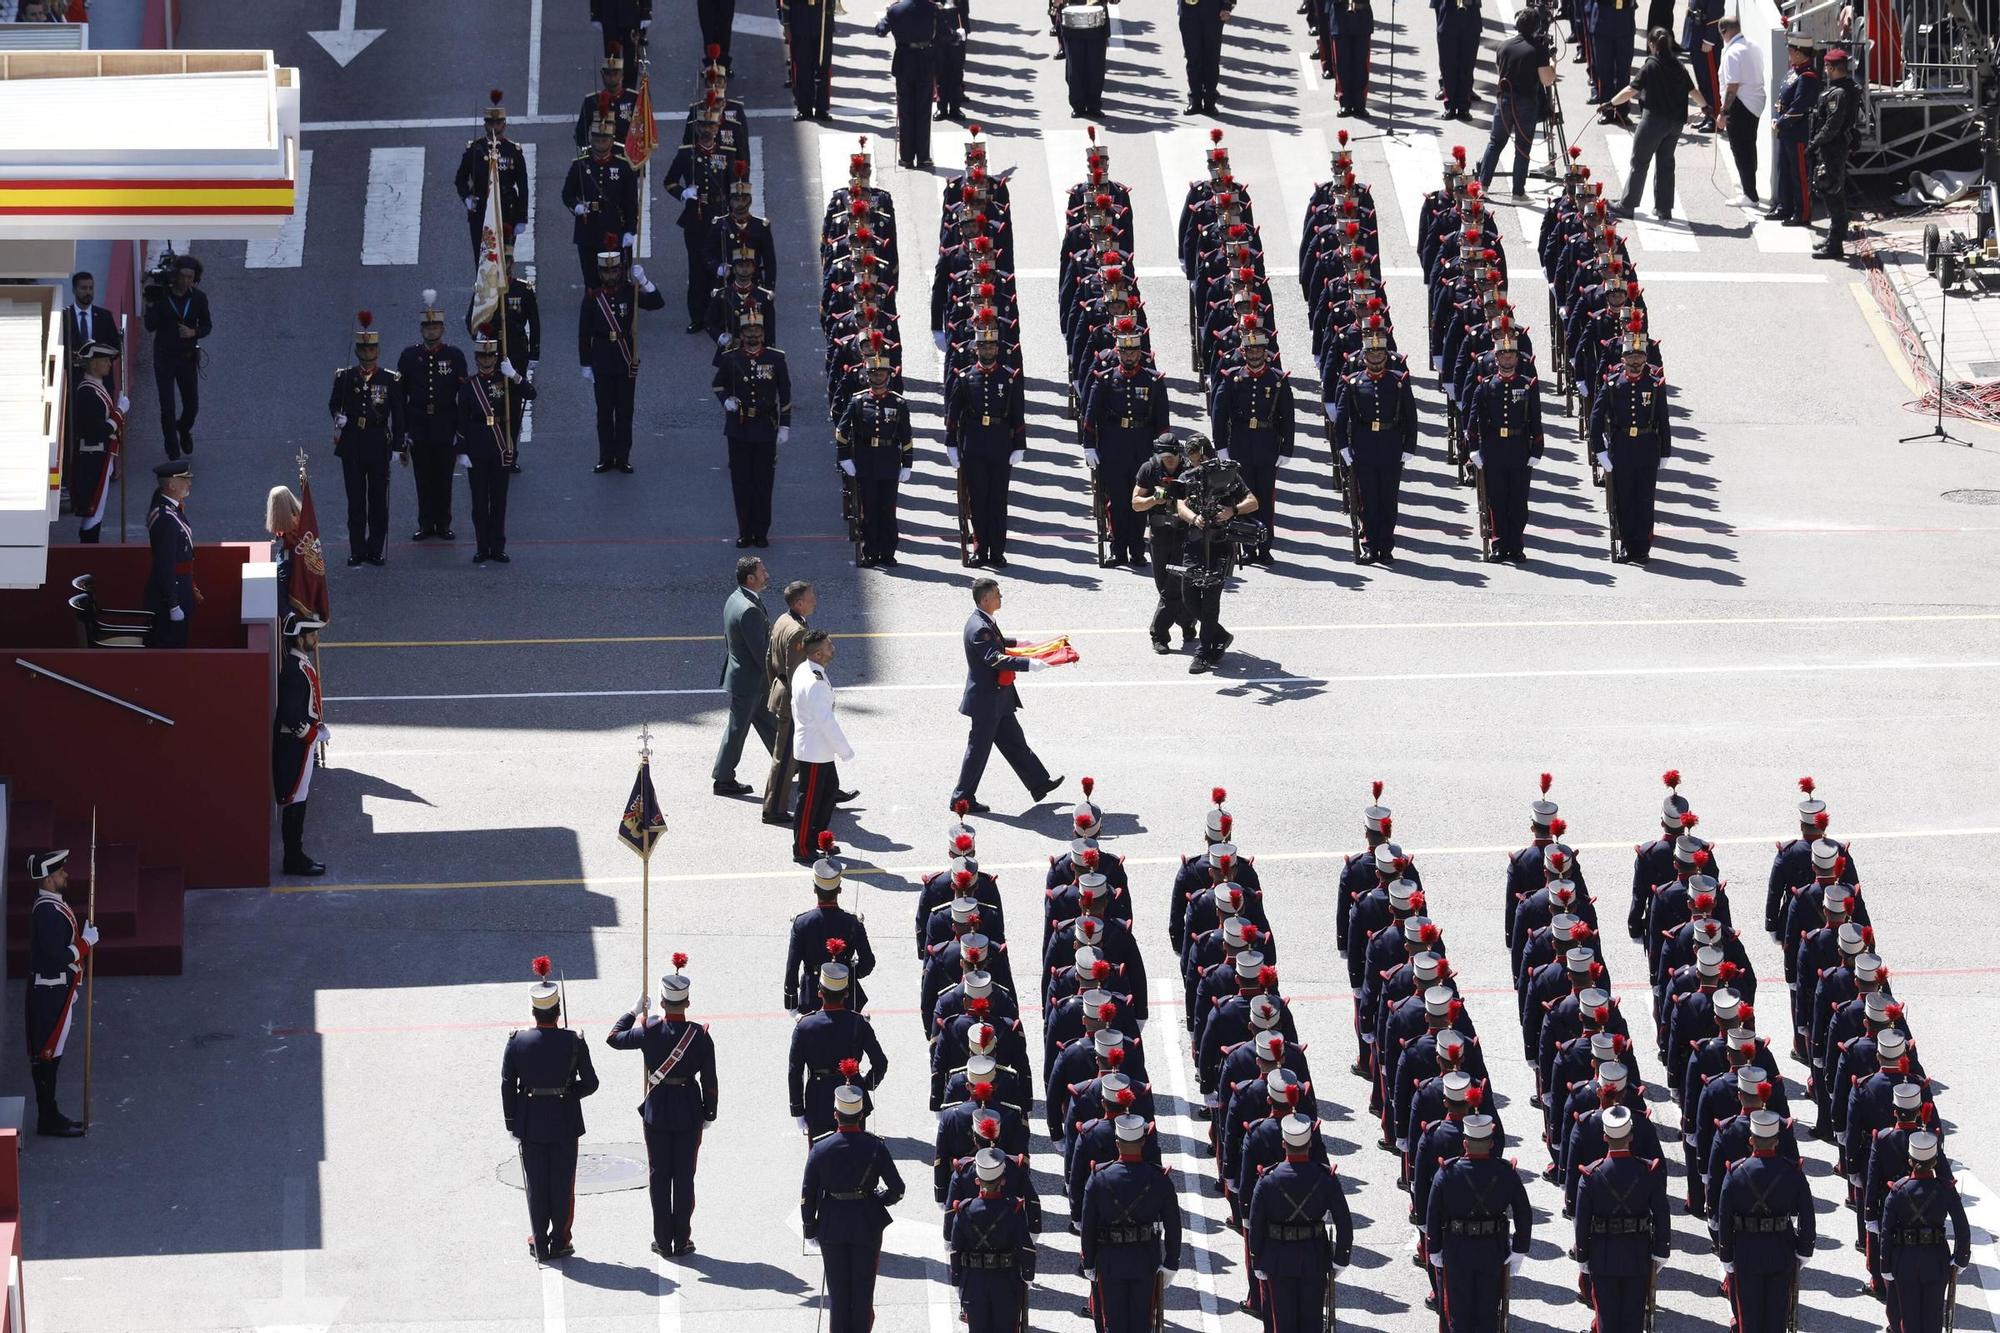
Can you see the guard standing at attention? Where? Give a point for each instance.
(992, 1251)
(1375, 428)
(1253, 412)
(1764, 1230)
(914, 24)
(1201, 47)
(810, 25)
(1791, 120)
(57, 946)
(428, 375)
(474, 180)
(602, 190)
(608, 350)
(1353, 33)
(297, 728)
(1917, 1254)
(171, 596)
(1131, 1227)
(97, 437)
(1622, 1234)
(544, 1077)
(1290, 1253)
(826, 1051)
(681, 1098)
(1630, 435)
(622, 99)
(1836, 119)
(523, 344)
(367, 409)
(1084, 29)
(755, 388)
(1459, 30)
(872, 445)
(700, 177)
(1126, 411)
(486, 443)
(1504, 430)
(1478, 1224)
(985, 435)
(622, 23)
(850, 1185)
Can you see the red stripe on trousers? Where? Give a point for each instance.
(1805, 186)
(805, 822)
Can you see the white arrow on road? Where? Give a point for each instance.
(347, 41)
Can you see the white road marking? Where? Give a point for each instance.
(287, 249)
(1414, 164)
(757, 174)
(1063, 152)
(1308, 72)
(670, 1293)
(1220, 683)
(646, 210)
(524, 244)
(1299, 160)
(1194, 1200)
(1652, 233)
(392, 227)
(1982, 1209)
(1183, 156)
(752, 25)
(834, 150)
(1775, 238)
(555, 1319)
(534, 57)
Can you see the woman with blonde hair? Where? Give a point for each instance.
(281, 520)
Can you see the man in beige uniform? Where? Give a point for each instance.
(786, 654)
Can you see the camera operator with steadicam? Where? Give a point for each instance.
(1527, 70)
(1212, 503)
(1156, 492)
(177, 317)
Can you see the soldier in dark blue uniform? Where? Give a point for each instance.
(1125, 411)
(428, 374)
(826, 1051)
(850, 1185)
(914, 25)
(1504, 431)
(1920, 1259)
(1201, 44)
(1458, 37)
(827, 932)
(366, 405)
(170, 592)
(985, 436)
(700, 176)
(1622, 1234)
(1792, 868)
(1653, 862)
(872, 445)
(612, 72)
(57, 947)
(602, 190)
(1374, 427)
(1131, 1229)
(1478, 1225)
(1291, 1253)
(474, 179)
(992, 1250)
(1791, 120)
(608, 351)
(1353, 32)
(1763, 1230)
(810, 25)
(681, 1098)
(1253, 414)
(544, 1076)
(486, 442)
(1630, 436)
(754, 384)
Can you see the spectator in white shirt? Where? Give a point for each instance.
(817, 742)
(1742, 78)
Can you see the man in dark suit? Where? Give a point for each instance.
(990, 701)
(746, 630)
(85, 323)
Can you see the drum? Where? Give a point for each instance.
(1084, 17)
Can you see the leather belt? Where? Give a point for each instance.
(1283, 1231)
(1763, 1226)
(1139, 1235)
(1621, 1226)
(545, 1092)
(987, 1261)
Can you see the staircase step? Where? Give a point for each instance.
(154, 948)
(118, 906)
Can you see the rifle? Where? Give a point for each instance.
(1652, 1297)
(1506, 1301)
(1610, 510)
(965, 533)
(1792, 1305)
(1332, 1306)
(89, 971)
(1951, 1301)
(1159, 1301)
(1488, 537)
(1097, 509)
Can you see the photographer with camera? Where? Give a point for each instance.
(177, 317)
(1527, 64)
(1212, 503)
(1156, 490)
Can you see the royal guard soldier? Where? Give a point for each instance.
(1084, 29)
(950, 51)
(700, 177)
(57, 947)
(1622, 1231)
(1793, 867)
(1504, 431)
(97, 437)
(985, 436)
(522, 347)
(475, 180)
(1478, 1225)
(297, 729)
(826, 932)
(622, 23)
(1130, 1221)
(1763, 1230)
(733, 123)
(741, 295)
(1126, 411)
(1374, 428)
(850, 1185)
(1352, 28)
(171, 595)
(1920, 1259)
(738, 228)
(1653, 862)
(1630, 436)
(827, 1047)
(872, 445)
(367, 410)
(428, 376)
(1017, 1182)
(608, 350)
(754, 385)
(681, 1099)
(544, 1076)
(809, 44)
(992, 1249)
(622, 98)
(1201, 24)
(486, 442)
(914, 24)
(1252, 410)
(602, 190)
(1459, 32)
(1291, 1254)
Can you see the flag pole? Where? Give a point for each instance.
(645, 866)
(125, 391)
(89, 969)
(317, 669)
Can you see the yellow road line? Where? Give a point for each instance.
(914, 871)
(1370, 627)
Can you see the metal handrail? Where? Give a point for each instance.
(146, 713)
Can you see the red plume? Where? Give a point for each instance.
(1821, 820)
(1689, 820)
(1082, 819)
(541, 965)
(1091, 130)
(1746, 1015)
(1375, 788)
(1547, 778)
(1115, 1056)
(1267, 976)
(1099, 970)
(988, 1127)
(1894, 1011)
(1429, 934)
(1292, 1094)
(1417, 903)
(1089, 786)
(960, 806)
(1868, 938)
(1558, 826)
(1764, 1090)
(1125, 1097)
(1602, 1013)
(972, 130)
(1387, 824)
(849, 1068)
(826, 839)
(680, 960)
(1218, 794)
(1672, 777)
(962, 843)
(1251, 935)
(1107, 1011)
(365, 318)
(982, 1093)
(1727, 971)
(1215, 136)
(1807, 785)
(835, 947)
(1701, 858)
(494, 95)
(1227, 822)
(1474, 1096)
(978, 1006)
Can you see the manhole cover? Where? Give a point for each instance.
(606, 1170)
(1973, 497)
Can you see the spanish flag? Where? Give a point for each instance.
(1056, 652)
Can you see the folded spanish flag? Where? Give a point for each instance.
(1056, 652)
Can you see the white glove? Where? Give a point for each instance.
(1338, 1269)
(940, 339)
(644, 24)
(581, 209)
(1014, 459)
(904, 475)
(1260, 1275)
(1437, 1261)
(124, 403)
(722, 270)
(1347, 457)
(730, 404)
(629, 240)
(1332, 412)
(1037, 664)
(90, 935)
(588, 376)
(471, 205)
(784, 435)
(1888, 1277)
(463, 462)
(1478, 461)
(951, 455)
(724, 340)
(1223, 454)
(1731, 1268)
(1603, 461)
(339, 420)
(1874, 1228)
(1090, 1275)
(847, 466)
(177, 614)
(1514, 1261)
(507, 371)
(690, 193)
(1089, 457)
(645, 1003)
(639, 276)
(800, 1121)
(520, 227)
(1658, 1263)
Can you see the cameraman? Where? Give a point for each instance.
(1527, 71)
(1157, 488)
(177, 317)
(1212, 497)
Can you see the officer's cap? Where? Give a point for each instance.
(1726, 1004)
(1219, 821)
(848, 1100)
(1269, 1045)
(1603, 1046)
(1279, 1083)
(1579, 960)
(1874, 1005)
(1450, 1043)
(980, 1038)
(1478, 1128)
(980, 1068)
(1593, 997)
(977, 984)
(968, 863)
(1401, 891)
(1088, 930)
(963, 909)
(1093, 1000)
(610, 258)
(43, 864)
(1708, 962)
(495, 111)
(1616, 1122)
(1853, 939)
(1562, 923)
(1826, 854)
(972, 947)
(1110, 1084)
(1438, 1000)
(1130, 1128)
(299, 622)
(1750, 1080)
(1908, 1096)
(833, 976)
(545, 995)
(826, 875)
(98, 349)
(674, 988)
(1297, 1131)
(1249, 963)
(1838, 900)
(1923, 1146)
(1457, 1085)
(173, 467)
(1414, 928)
(1263, 1012)
(1891, 1045)
(989, 1164)
(1765, 1124)
(1106, 1040)
(1235, 932)
(1676, 805)
(1427, 966)
(1613, 1073)
(1086, 958)
(1092, 884)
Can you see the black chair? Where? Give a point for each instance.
(93, 633)
(108, 617)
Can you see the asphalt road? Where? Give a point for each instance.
(302, 1132)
